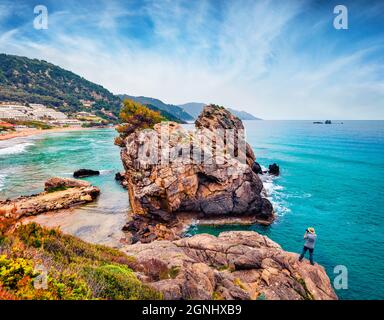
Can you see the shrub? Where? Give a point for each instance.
(75, 269)
(118, 283)
(136, 116)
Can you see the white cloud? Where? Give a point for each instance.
(244, 58)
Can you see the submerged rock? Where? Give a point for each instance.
(82, 173)
(223, 184)
(235, 265)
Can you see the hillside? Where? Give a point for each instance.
(195, 108)
(165, 114)
(37, 81)
(174, 110)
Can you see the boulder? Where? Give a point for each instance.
(235, 265)
(81, 173)
(274, 169)
(256, 168)
(189, 174)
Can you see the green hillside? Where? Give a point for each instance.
(37, 81)
(174, 110)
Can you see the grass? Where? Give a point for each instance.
(73, 268)
(58, 188)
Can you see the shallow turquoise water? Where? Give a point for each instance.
(27, 162)
(331, 179)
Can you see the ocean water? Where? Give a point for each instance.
(331, 179)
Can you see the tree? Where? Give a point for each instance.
(135, 116)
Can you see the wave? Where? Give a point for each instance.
(18, 148)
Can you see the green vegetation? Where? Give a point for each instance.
(134, 116)
(75, 269)
(152, 103)
(37, 81)
(58, 188)
(31, 124)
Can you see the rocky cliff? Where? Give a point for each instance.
(235, 265)
(206, 173)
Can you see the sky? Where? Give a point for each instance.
(275, 59)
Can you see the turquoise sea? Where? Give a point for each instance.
(331, 178)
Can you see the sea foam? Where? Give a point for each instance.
(14, 149)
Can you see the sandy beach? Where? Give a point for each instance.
(31, 132)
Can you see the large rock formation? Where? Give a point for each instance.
(170, 171)
(235, 265)
(60, 193)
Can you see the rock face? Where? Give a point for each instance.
(235, 265)
(60, 193)
(82, 173)
(187, 175)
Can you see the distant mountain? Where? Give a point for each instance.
(194, 109)
(37, 81)
(174, 110)
(243, 115)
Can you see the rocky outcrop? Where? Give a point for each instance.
(60, 193)
(190, 173)
(235, 265)
(82, 173)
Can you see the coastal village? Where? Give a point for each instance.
(16, 116)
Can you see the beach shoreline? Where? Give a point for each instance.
(32, 132)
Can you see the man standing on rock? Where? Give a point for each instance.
(310, 239)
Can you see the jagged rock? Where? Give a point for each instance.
(234, 265)
(223, 186)
(81, 173)
(61, 193)
(274, 169)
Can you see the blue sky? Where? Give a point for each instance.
(275, 59)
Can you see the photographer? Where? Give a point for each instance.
(310, 240)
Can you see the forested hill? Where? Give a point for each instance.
(37, 81)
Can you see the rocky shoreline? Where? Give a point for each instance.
(235, 265)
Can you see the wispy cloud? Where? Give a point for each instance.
(276, 60)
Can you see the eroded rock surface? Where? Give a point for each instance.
(223, 184)
(235, 265)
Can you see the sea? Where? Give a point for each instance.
(331, 179)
